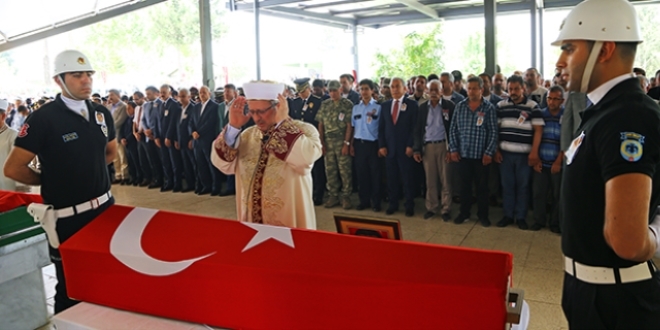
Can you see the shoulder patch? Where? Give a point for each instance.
(24, 131)
(632, 147)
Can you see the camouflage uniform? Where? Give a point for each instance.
(336, 116)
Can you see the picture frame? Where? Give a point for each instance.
(368, 226)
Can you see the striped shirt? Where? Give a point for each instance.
(516, 123)
(473, 133)
(549, 149)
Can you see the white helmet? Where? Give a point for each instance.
(4, 105)
(601, 20)
(71, 61)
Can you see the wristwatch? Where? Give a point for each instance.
(347, 143)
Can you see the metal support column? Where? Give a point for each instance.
(207, 47)
(490, 14)
(356, 64)
(256, 36)
(541, 43)
(534, 33)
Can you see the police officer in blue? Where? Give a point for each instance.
(611, 183)
(304, 108)
(364, 147)
(75, 140)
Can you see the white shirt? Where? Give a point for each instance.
(77, 106)
(204, 106)
(400, 103)
(597, 94)
(137, 118)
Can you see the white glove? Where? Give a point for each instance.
(45, 215)
(655, 228)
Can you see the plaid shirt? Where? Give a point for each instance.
(472, 136)
(549, 149)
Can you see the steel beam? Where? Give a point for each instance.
(61, 27)
(490, 16)
(313, 15)
(262, 4)
(256, 37)
(416, 5)
(356, 59)
(207, 43)
(303, 19)
(541, 41)
(533, 13)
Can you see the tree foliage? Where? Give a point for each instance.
(648, 52)
(420, 54)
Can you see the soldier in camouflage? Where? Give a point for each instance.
(335, 130)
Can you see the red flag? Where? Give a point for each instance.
(248, 276)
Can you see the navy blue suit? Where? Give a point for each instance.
(167, 109)
(182, 128)
(206, 125)
(396, 138)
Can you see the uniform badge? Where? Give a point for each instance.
(104, 129)
(100, 118)
(404, 107)
(70, 137)
(573, 149)
(81, 60)
(631, 146)
(341, 116)
(311, 105)
(24, 131)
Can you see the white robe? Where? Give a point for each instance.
(273, 179)
(6, 144)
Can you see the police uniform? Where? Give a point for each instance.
(72, 151)
(306, 110)
(620, 134)
(335, 117)
(365, 143)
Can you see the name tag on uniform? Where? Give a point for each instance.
(70, 137)
(573, 149)
(480, 119)
(304, 107)
(167, 112)
(523, 117)
(341, 116)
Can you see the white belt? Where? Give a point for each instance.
(83, 207)
(603, 275)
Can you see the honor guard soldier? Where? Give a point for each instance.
(75, 141)
(611, 181)
(305, 107)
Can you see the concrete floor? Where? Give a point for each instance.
(537, 257)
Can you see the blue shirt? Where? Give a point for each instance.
(473, 133)
(550, 147)
(365, 119)
(435, 126)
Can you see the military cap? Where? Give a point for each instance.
(333, 85)
(301, 84)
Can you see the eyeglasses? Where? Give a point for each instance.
(555, 99)
(260, 112)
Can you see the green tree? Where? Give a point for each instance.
(420, 54)
(648, 52)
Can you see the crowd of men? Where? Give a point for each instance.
(442, 137)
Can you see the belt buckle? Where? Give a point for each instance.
(94, 207)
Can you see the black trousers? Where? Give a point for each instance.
(210, 177)
(166, 163)
(145, 162)
(472, 171)
(189, 166)
(111, 171)
(615, 306)
(544, 184)
(66, 228)
(153, 158)
(318, 179)
(368, 172)
(133, 161)
(176, 162)
(400, 171)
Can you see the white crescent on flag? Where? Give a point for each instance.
(126, 246)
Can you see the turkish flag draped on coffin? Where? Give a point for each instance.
(248, 276)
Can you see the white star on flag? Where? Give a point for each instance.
(265, 232)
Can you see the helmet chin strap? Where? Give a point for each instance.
(66, 89)
(589, 67)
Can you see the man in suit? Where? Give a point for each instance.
(395, 140)
(203, 128)
(183, 143)
(150, 126)
(430, 148)
(129, 142)
(305, 107)
(487, 94)
(118, 110)
(164, 141)
(346, 80)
